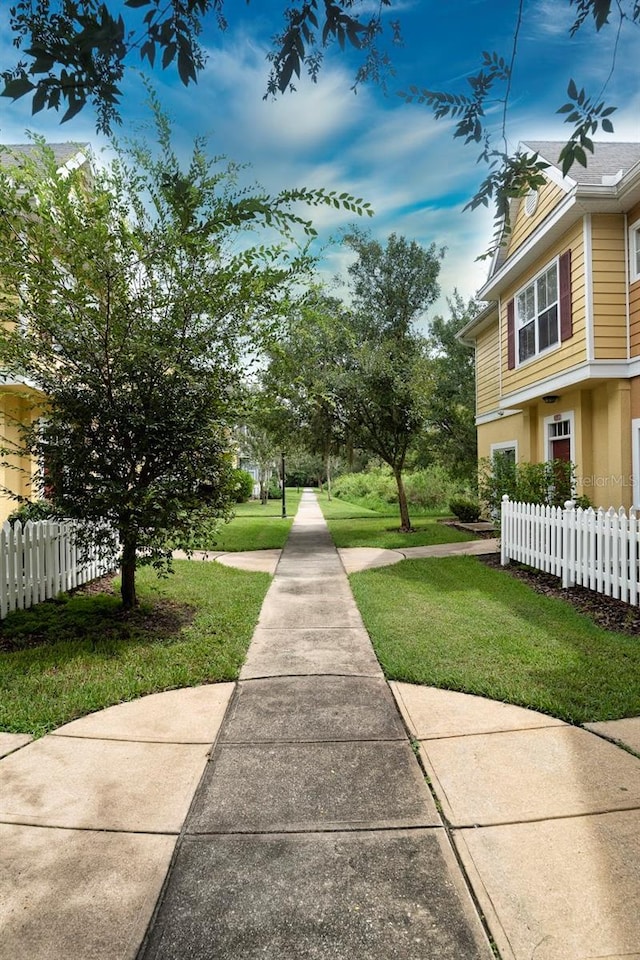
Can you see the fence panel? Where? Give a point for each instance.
(42, 559)
(599, 550)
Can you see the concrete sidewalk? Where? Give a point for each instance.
(312, 832)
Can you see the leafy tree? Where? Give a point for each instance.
(451, 436)
(299, 375)
(384, 384)
(76, 51)
(126, 302)
(359, 377)
(73, 52)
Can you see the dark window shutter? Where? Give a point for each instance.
(511, 335)
(566, 321)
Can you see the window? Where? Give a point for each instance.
(634, 252)
(536, 315)
(559, 430)
(507, 450)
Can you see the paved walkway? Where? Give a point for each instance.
(309, 830)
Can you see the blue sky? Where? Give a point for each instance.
(374, 146)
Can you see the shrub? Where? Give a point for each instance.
(550, 482)
(35, 510)
(428, 489)
(242, 485)
(468, 511)
(275, 491)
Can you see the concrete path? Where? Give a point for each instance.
(312, 832)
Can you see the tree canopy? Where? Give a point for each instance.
(74, 52)
(129, 301)
(359, 376)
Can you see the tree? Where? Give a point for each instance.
(451, 435)
(364, 372)
(300, 372)
(76, 51)
(126, 301)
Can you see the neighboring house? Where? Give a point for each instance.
(558, 344)
(19, 399)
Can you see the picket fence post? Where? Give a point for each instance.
(568, 527)
(505, 531)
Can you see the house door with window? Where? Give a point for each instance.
(561, 449)
(559, 438)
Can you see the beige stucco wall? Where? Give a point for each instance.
(16, 476)
(601, 440)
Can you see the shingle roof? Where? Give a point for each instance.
(607, 159)
(11, 153)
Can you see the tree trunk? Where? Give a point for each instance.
(405, 522)
(128, 574)
(328, 476)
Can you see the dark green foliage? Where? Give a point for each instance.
(242, 482)
(551, 482)
(35, 510)
(75, 52)
(468, 511)
(139, 352)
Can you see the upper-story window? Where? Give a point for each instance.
(634, 252)
(536, 314)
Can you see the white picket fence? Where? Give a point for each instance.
(41, 559)
(597, 549)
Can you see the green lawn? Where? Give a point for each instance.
(68, 658)
(256, 526)
(354, 526)
(457, 624)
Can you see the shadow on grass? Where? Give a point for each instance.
(94, 617)
(456, 624)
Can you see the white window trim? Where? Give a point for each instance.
(531, 282)
(504, 445)
(634, 250)
(635, 462)
(570, 416)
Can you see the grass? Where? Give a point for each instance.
(64, 659)
(457, 624)
(356, 526)
(256, 526)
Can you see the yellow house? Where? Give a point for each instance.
(558, 344)
(20, 399)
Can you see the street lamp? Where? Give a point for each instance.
(284, 496)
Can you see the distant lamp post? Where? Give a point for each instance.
(284, 495)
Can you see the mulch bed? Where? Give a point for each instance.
(607, 612)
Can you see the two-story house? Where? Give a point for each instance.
(20, 401)
(558, 344)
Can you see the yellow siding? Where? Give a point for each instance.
(634, 314)
(523, 226)
(572, 351)
(488, 369)
(609, 287)
(634, 296)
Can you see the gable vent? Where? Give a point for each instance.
(531, 202)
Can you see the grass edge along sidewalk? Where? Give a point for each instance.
(458, 624)
(351, 525)
(69, 657)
